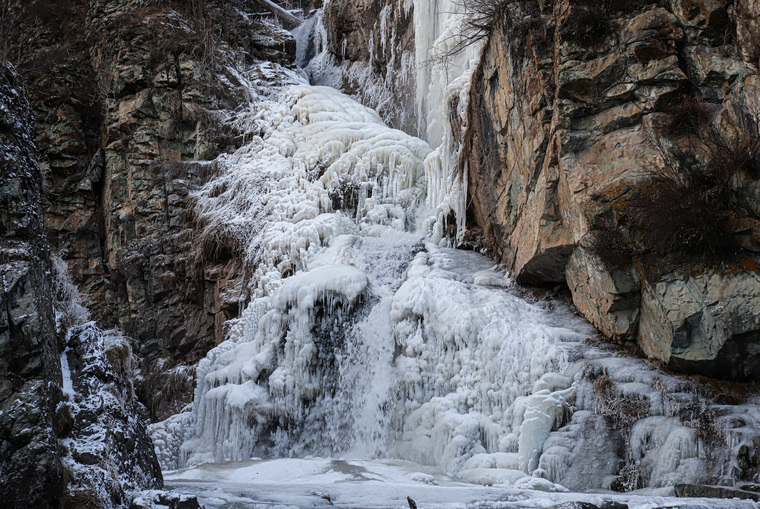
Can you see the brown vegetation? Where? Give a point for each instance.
(686, 208)
(482, 15)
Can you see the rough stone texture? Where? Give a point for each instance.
(706, 323)
(373, 45)
(30, 373)
(122, 150)
(54, 451)
(610, 297)
(561, 140)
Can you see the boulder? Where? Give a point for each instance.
(608, 298)
(705, 323)
(705, 491)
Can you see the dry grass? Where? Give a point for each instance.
(165, 391)
(621, 410)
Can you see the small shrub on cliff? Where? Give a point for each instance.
(612, 247)
(481, 15)
(671, 218)
(688, 207)
(686, 115)
(691, 199)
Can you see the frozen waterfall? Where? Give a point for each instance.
(367, 337)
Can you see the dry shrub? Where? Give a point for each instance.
(165, 390)
(671, 217)
(51, 12)
(685, 210)
(630, 478)
(691, 198)
(481, 15)
(23, 24)
(612, 247)
(686, 115)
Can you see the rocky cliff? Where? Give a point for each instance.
(132, 100)
(613, 147)
(69, 436)
(30, 378)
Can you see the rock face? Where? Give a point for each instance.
(577, 122)
(63, 444)
(107, 452)
(30, 372)
(129, 120)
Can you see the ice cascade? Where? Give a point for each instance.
(366, 336)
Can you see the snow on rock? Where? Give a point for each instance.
(107, 449)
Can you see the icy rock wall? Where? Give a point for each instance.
(366, 49)
(108, 452)
(30, 376)
(71, 430)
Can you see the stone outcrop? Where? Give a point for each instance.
(108, 455)
(706, 323)
(31, 471)
(61, 445)
(566, 136)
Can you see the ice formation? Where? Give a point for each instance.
(366, 337)
(443, 78)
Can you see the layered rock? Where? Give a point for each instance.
(567, 109)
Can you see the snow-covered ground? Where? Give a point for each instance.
(386, 484)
